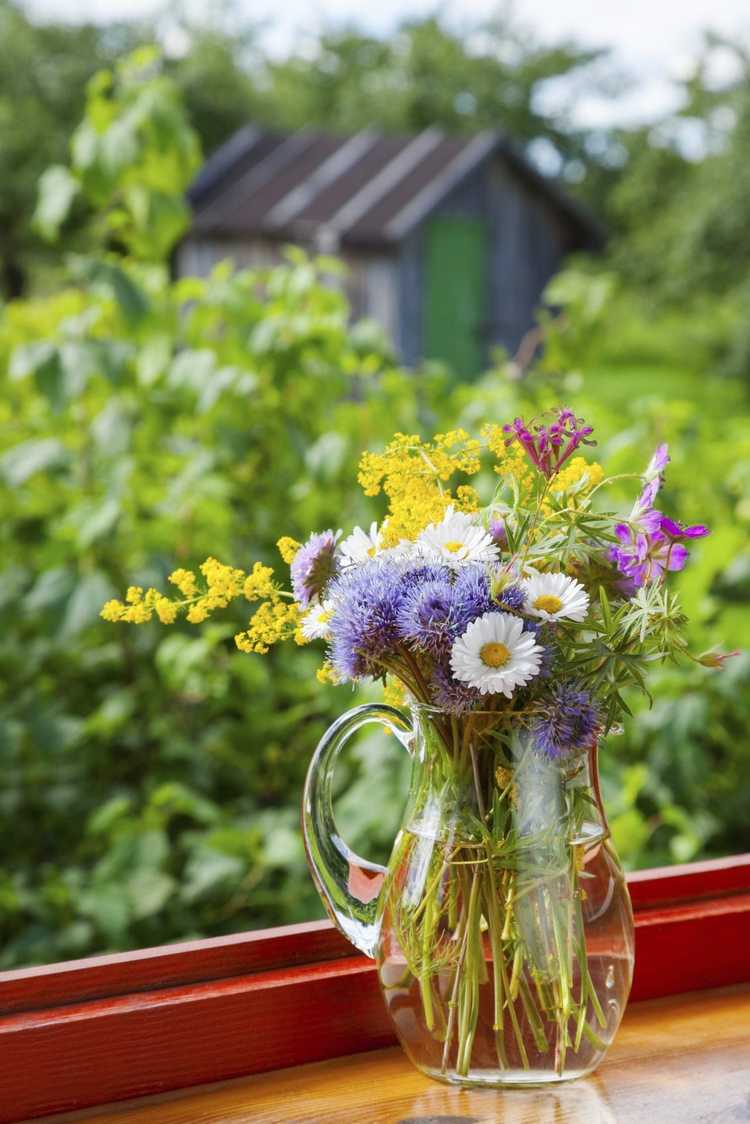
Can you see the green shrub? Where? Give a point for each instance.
(152, 778)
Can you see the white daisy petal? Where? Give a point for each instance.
(315, 623)
(495, 655)
(360, 546)
(555, 597)
(458, 539)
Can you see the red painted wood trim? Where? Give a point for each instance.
(692, 947)
(691, 881)
(101, 1051)
(122, 973)
(120, 1026)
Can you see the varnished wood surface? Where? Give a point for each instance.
(675, 1061)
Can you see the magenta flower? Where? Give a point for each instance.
(498, 532)
(643, 514)
(549, 446)
(651, 543)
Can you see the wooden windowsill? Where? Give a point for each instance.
(680, 1059)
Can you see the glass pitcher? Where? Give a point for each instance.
(502, 927)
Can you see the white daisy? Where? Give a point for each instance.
(315, 623)
(360, 546)
(495, 655)
(458, 539)
(555, 597)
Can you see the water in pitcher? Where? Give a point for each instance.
(535, 994)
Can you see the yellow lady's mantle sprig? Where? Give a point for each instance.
(412, 473)
(275, 619)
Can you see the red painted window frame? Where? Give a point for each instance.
(106, 1028)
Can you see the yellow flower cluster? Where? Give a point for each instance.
(512, 461)
(224, 585)
(326, 674)
(259, 584)
(185, 581)
(579, 474)
(139, 607)
(272, 621)
(288, 548)
(412, 473)
(394, 692)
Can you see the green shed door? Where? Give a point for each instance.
(454, 292)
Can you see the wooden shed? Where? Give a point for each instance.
(449, 240)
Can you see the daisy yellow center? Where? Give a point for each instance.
(325, 616)
(494, 655)
(548, 603)
(453, 546)
(371, 551)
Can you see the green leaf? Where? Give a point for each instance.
(58, 188)
(97, 521)
(24, 460)
(85, 603)
(149, 891)
(112, 279)
(210, 870)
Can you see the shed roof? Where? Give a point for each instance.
(370, 188)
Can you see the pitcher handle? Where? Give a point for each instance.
(349, 885)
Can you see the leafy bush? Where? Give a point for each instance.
(152, 778)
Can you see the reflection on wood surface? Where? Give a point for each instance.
(675, 1060)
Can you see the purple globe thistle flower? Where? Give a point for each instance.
(364, 626)
(313, 566)
(549, 446)
(513, 598)
(567, 721)
(451, 695)
(437, 610)
(427, 615)
(472, 594)
(425, 572)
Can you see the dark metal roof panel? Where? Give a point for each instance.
(244, 149)
(249, 214)
(366, 189)
(255, 167)
(373, 224)
(329, 201)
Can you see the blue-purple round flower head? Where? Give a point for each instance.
(450, 694)
(427, 616)
(425, 572)
(472, 594)
(439, 608)
(364, 626)
(512, 598)
(313, 566)
(567, 722)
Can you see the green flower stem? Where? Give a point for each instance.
(468, 1008)
(494, 923)
(533, 1017)
(425, 978)
(499, 906)
(461, 936)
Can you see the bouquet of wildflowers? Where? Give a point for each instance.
(537, 603)
(502, 600)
